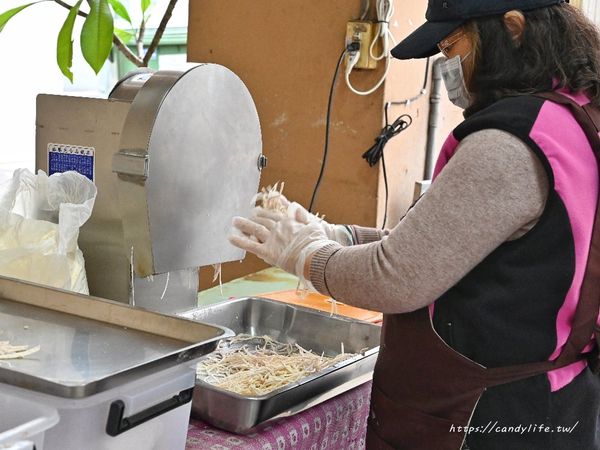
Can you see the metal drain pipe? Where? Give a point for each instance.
(435, 99)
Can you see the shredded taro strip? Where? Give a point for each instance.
(261, 365)
(8, 351)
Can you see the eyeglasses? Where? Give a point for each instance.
(447, 43)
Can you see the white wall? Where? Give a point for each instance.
(592, 10)
(28, 55)
(28, 67)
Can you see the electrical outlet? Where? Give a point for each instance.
(364, 33)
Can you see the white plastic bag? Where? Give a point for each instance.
(40, 217)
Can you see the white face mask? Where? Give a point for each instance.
(454, 79)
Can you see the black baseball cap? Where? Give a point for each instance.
(445, 16)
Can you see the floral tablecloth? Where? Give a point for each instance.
(337, 424)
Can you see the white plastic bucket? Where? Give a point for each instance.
(83, 422)
(23, 423)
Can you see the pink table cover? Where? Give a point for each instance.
(339, 423)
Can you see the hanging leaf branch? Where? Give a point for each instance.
(98, 34)
(64, 47)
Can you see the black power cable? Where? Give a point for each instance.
(375, 153)
(373, 157)
(352, 47)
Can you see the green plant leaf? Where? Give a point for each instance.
(64, 44)
(120, 10)
(124, 35)
(145, 5)
(6, 16)
(97, 34)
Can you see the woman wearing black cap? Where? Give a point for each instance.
(490, 284)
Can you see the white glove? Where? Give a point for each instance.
(278, 239)
(337, 233)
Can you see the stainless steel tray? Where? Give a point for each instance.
(89, 345)
(313, 330)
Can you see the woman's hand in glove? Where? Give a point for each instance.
(279, 239)
(337, 233)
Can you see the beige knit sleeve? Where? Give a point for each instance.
(494, 189)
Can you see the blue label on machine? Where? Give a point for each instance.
(62, 158)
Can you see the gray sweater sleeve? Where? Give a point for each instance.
(364, 235)
(494, 189)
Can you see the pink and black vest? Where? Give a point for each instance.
(517, 305)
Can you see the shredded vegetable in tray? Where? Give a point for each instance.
(8, 351)
(254, 366)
